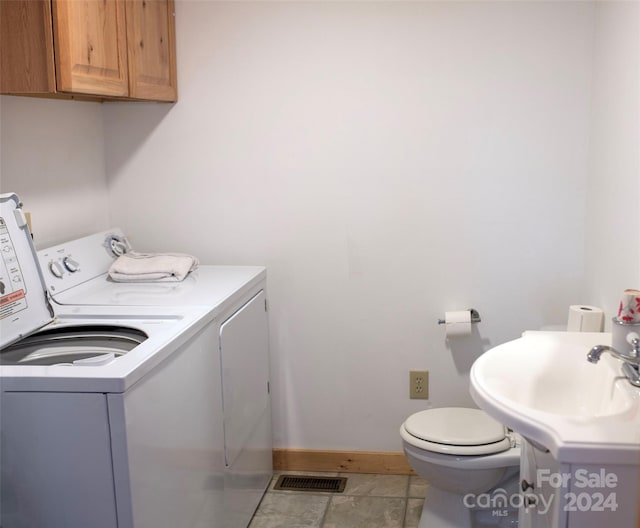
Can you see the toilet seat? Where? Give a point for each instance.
(456, 431)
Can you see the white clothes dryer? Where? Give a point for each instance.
(236, 304)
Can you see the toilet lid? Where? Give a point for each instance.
(455, 426)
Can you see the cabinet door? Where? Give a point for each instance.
(151, 49)
(538, 471)
(90, 45)
(26, 47)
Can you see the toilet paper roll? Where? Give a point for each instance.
(457, 323)
(583, 318)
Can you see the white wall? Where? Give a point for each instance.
(52, 155)
(613, 217)
(387, 162)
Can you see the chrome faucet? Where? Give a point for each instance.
(630, 361)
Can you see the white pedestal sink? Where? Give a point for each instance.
(585, 416)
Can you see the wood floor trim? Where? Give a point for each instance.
(341, 461)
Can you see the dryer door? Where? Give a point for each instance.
(244, 352)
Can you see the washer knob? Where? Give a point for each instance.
(70, 264)
(56, 269)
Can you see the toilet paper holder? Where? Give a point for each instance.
(475, 317)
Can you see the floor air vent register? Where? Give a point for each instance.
(310, 483)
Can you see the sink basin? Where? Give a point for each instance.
(555, 378)
(543, 387)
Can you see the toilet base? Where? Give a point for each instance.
(443, 509)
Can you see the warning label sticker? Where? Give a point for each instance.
(12, 290)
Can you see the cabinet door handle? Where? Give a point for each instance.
(532, 501)
(526, 485)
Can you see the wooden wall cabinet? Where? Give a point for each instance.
(98, 50)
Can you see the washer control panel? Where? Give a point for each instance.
(72, 263)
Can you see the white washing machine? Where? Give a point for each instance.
(110, 444)
(98, 405)
(234, 298)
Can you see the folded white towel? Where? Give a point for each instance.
(149, 267)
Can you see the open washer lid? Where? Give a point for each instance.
(456, 426)
(24, 306)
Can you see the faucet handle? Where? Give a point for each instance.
(634, 340)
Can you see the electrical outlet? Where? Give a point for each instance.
(419, 384)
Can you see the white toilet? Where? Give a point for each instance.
(460, 451)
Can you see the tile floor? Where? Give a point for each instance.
(368, 501)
